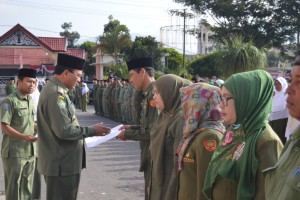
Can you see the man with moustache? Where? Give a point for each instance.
(61, 138)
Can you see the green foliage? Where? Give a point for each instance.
(145, 46)
(89, 47)
(287, 16)
(72, 37)
(115, 39)
(238, 56)
(173, 60)
(207, 66)
(253, 20)
(120, 71)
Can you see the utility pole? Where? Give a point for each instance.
(185, 15)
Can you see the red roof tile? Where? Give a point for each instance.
(56, 44)
(80, 53)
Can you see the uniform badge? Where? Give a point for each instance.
(187, 158)
(210, 145)
(152, 103)
(6, 105)
(61, 101)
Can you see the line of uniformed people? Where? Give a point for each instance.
(117, 99)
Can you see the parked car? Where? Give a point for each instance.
(90, 85)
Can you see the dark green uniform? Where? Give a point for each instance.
(142, 133)
(18, 156)
(96, 87)
(61, 139)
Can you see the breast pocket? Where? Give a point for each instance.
(22, 112)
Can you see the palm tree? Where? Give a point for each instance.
(115, 39)
(237, 56)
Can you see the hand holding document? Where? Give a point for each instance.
(96, 140)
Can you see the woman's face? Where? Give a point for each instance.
(159, 103)
(278, 86)
(227, 107)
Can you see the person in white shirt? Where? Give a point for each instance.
(279, 115)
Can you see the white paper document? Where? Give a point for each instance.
(96, 140)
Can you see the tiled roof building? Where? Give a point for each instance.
(20, 48)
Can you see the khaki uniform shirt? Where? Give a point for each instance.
(283, 180)
(17, 111)
(195, 164)
(61, 150)
(142, 134)
(268, 149)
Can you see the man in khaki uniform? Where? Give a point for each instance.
(10, 86)
(283, 180)
(142, 76)
(18, 151)
(61, 138)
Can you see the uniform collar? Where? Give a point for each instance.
(60, 85)
(21, 96)
(149, 89)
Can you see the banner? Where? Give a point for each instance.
(42, 68)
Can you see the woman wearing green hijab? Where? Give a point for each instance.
(249, 145)
(165, 137)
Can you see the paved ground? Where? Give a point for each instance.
(112, 167)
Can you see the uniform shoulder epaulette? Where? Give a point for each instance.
(60, 90)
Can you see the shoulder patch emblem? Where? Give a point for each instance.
(210, 145)
(61, 101)
(6, 105)
(152, 103)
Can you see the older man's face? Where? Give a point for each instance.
(293, 91)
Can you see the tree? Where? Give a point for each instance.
(72, 37)
(207, 66)
(173, 60)
(237, 56)
(119, 71)
(89, 47)
(252, 20)
(146, 46)
(115, 39)
(287, 16)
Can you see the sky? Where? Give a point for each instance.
(142, 17)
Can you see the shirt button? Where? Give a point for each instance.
(296, 149)
(283, 173)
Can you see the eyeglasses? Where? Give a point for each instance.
(224, 100)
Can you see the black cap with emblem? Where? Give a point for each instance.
(65, 60)
(139, 63)
(26, 72)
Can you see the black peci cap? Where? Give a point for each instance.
(139, 63)
(26, 72)
(69, 61)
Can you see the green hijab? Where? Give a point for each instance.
(168, 87)
(235, 157)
